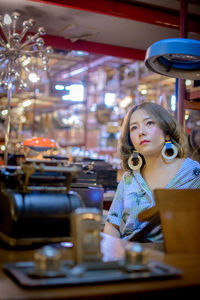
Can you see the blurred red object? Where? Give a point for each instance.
(40, 144)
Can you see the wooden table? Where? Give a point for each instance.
(113, 249)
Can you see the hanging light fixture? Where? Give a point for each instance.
(13, 47)
(178, 58)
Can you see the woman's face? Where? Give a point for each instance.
(147, 138)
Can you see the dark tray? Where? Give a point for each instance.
(102, 272)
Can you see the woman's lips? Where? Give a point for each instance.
(144, 142)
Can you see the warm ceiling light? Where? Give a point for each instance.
(142, 87)
(7, 20)
(125, 102)
(4, 112)
(186, 116)
(188, 82)
(26, 61)
(33, 77)
(3, 148)
(27, 103)
(143, 92)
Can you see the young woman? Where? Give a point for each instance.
(152, 152)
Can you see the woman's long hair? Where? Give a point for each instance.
(166, 122)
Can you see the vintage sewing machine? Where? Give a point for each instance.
(36, 201)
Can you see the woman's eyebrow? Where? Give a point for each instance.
(143, 120)
(132, 123)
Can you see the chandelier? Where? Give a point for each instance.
(16, 50)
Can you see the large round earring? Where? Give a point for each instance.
(169, 150)
(135, 161)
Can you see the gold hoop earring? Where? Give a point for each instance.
(135, 161)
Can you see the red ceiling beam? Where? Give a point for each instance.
(132, 11)
(92, 47)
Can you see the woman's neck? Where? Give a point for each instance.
(158, 173)
(154, 162)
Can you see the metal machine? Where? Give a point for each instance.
(38, 197)
(36, 203)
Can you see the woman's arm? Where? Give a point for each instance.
(115, 211)
(111, 229)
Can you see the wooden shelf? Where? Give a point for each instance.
(193, 93)
(192, 100)
(192, 105)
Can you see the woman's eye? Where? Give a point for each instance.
(150, 123)
(133, 128)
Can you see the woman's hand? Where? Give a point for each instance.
(148, 213)
(111, 229)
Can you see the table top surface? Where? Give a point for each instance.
(112, 249)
